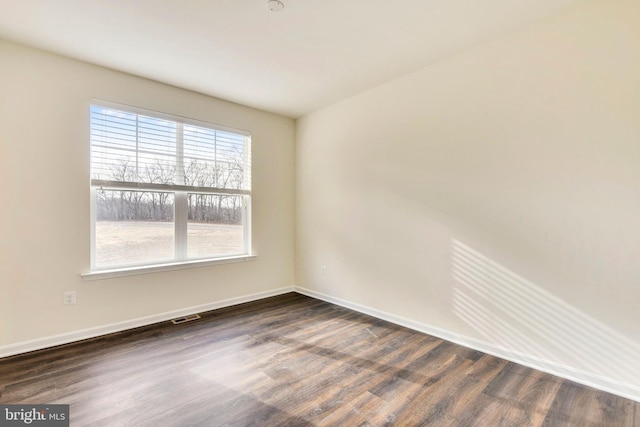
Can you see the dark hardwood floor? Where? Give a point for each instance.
(296, 361)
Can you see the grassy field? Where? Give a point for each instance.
(134, 242)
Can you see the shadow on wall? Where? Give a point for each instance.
(516, 314)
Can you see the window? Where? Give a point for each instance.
(166, 189)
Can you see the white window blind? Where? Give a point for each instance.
(129, 149)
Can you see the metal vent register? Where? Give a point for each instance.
(185, 319)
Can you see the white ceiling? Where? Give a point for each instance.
(310, 55)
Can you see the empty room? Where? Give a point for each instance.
(320, 213)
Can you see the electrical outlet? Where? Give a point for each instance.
(70, 298)
(323, 270)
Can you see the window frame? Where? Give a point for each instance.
(181, 193)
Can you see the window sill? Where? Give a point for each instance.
(131, 271)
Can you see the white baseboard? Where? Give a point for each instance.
(51, 341)
(628, 391)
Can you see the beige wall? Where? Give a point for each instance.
(494, 195)
(44, 214)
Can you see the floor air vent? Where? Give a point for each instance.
(185, 319)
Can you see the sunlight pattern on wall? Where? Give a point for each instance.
(514, 313)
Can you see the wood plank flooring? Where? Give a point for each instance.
(296, 361)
